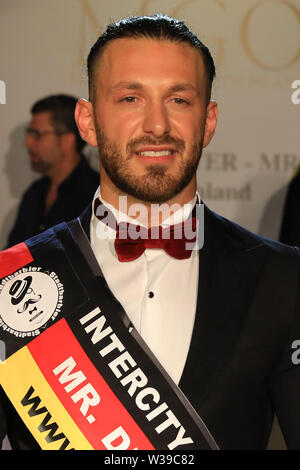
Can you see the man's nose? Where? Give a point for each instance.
(156, 120)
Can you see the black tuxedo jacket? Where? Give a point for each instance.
(239, 370)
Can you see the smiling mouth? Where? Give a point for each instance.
(155, 153)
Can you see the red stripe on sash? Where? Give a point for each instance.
(83, 392)
(14, 258)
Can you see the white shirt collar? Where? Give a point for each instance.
(180, 215)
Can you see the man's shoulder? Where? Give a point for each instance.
(42, 238)
(238, 239)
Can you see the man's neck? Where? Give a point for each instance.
(63, 169)
(147, 213)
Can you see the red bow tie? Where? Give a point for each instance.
(132, 240)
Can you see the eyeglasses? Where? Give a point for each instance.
(37, 134)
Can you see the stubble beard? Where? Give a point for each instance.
(41, 167)
(156, 185)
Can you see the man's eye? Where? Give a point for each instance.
(129, 99)
(180, 101)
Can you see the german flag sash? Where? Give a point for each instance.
(76, 374)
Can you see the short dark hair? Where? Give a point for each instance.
(158, 26)
(62, 108)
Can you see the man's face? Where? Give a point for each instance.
(42, 143)
(150, 114)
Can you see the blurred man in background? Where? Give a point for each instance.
(68, 183)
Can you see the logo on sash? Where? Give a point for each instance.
(28, 299)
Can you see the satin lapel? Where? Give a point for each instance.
(228, 272)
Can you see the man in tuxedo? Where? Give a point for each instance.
(223, 320)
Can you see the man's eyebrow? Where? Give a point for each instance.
(183, 87)
(139, 86)
(127, 86)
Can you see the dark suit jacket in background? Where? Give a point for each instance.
(290, 225)
(74, 194)
(239, 369)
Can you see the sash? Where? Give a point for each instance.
(76, 371)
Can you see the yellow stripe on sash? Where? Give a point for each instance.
(38, 406)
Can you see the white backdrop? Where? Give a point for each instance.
(256, 44)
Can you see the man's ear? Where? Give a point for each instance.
(210, 122)
(84, 117)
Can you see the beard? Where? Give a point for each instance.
(40, 166)
(156, 185)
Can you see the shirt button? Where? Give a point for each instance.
(150, 295)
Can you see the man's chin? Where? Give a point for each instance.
(36, 168)
(39, 168)
(151, 193)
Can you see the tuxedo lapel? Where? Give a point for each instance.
(227, 282)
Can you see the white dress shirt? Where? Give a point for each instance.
(158, 292)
